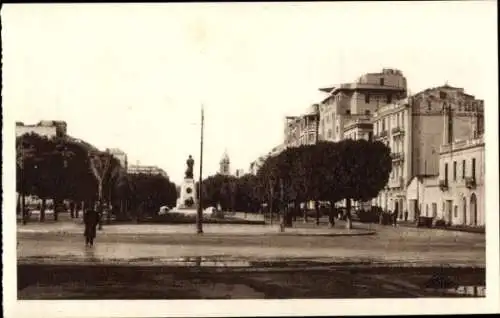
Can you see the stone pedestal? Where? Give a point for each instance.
(187, 193)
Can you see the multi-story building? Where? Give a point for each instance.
(120, 155)
(302, 130)
(461, 181)
(414, 129)
(349, 101)
(391, 124)
(456, 194)
(359, 127)
(47, 128)
(151, 170)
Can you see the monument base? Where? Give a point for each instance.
(187, 197)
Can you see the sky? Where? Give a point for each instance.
(134, 76)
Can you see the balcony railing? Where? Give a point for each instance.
(470, 182)
(382, 134)
(461, 144)
(397, 156)
(397, 130)
(443, 185)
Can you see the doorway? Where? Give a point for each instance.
(464, 211)
(473, 210)
(449, 211)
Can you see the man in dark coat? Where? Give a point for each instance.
(394, 217)
(91, 220)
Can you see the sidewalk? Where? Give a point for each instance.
(76, 227)
(468, 229)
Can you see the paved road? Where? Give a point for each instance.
(234, 261)
(162, 244)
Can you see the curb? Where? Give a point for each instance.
(271, 232)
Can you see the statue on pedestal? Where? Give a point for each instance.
(187, 198)
(189, 170)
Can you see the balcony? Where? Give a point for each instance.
(397, 182)
(397, 156)
(470, 182)
(382, 134)
(443, 185)
(462, 144)
(396, 131)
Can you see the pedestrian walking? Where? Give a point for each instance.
(395, 217)
(91, 220)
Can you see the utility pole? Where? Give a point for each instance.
(199, 215)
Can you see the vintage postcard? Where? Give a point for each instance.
(248, 159)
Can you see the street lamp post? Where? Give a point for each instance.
(199, 215)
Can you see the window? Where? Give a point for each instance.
(463, 169)
(474, 168)
(442, 95)
(367, 112)
(382, 82)
(367, 98)
(370, 136)
(329, 133)
(446, 172)
(426, 210)
(455, 211)
(429, 105)
(348, 111)
(454, 171)
(389, 98)
(434, 209)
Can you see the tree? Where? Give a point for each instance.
(150, 192)
(42, 168)
(363, 170)
(28, 147)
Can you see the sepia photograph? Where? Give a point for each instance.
(245, 159)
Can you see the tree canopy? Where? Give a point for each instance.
(61, 169)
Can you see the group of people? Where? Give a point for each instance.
(394, 216)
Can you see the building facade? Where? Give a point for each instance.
(461, 181)
(47, 128)
(415, 128)
(150, 170)
(423, 197)
(390, 126)
(359, 127)
(350, 101)
(120, 155)
(303, 129)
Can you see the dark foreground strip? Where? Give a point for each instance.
(37, 281)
